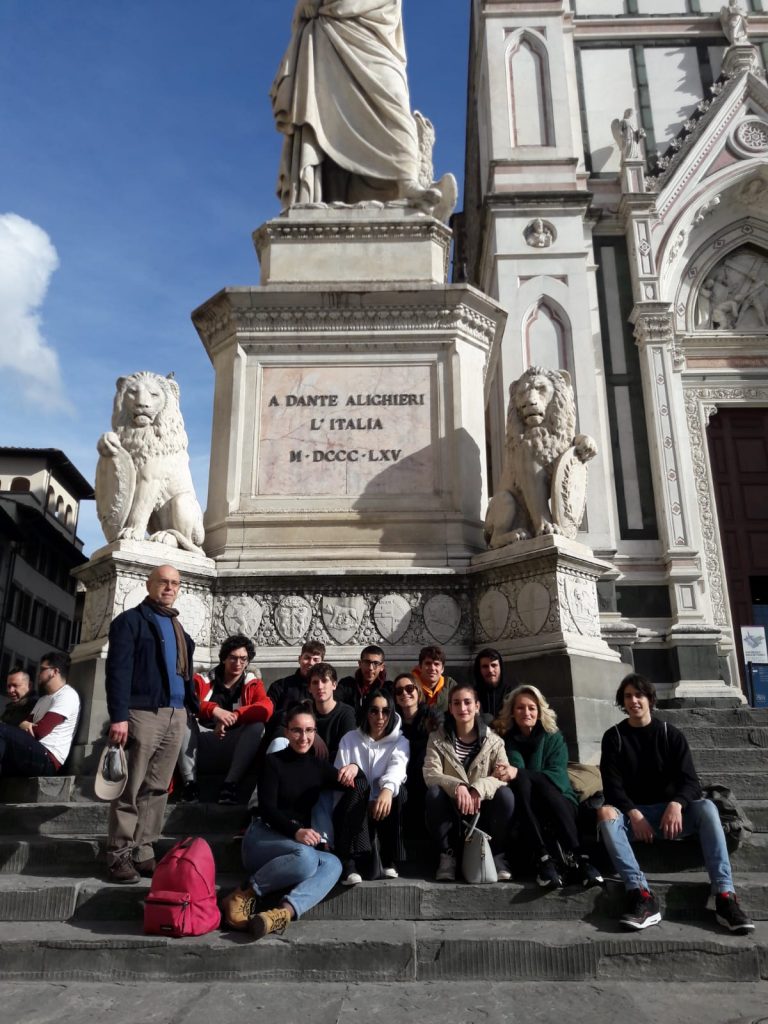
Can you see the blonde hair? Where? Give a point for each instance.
(547, 716)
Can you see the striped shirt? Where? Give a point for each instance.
(466, 751)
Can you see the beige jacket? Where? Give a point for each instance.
(442, 767)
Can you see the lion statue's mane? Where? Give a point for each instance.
(143, 482)
(521, 508)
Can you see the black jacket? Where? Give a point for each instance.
(137, 674)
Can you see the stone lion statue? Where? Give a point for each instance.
(143, 482)
(543, 481)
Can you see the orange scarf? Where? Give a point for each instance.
(430, 692)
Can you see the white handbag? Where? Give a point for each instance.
(477, 864)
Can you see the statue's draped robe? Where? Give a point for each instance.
(342, 93)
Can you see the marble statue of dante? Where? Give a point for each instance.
(341, 100)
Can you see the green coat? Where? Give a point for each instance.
(550, 758)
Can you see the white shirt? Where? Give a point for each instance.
(64, 702)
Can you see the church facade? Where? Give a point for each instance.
(616, 205)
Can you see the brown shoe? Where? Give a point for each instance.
(239, 907)
(269, 921)
(123, 872)
(146, 868)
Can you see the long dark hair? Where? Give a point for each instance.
(368, 703)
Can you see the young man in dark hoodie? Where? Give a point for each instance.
(492, 688)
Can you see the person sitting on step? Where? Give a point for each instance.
(429, 675)
(374, 760)
(21, 697)
(652, 792)
(537, 773)
(418, 722)
(40, 744)
(281, 851)
(234, 708)
(490, 682)
(459, 765)
(371, 674)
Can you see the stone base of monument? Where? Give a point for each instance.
(536, 602)
(115, 579)
(349, 398)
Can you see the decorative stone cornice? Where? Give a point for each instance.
(338, 230)
(221, 319)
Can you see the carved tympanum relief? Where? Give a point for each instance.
(734, 297)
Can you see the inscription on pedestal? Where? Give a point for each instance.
(345, 430)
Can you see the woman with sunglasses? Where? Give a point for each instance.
(374, 759)
(281, 851)
(418, 721)
(459, 767)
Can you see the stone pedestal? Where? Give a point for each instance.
(115, 580)
(536, 601)
(348, 415)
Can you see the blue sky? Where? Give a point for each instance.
(138, 154)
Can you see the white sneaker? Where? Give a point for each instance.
(391, 873)
(446, 869)
(353, 878)
(502, 868)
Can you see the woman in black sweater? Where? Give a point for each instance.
(281, 851)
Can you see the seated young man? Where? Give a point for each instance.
(40, 744)
(234, 708)
(492, 688)
(429, 675)
(333, 719)
(652, 792)
(371, 674)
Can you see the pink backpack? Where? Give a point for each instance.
(182, 897)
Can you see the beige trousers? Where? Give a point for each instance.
(136, 817)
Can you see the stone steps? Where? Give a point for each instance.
(683, 897)
(686, 718)
(392, 951)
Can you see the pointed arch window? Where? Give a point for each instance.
(547, 337)
(530, 91)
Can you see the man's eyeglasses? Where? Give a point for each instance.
(409, 688)
(371, 663)
(238, 657)
(379, 712)
(302, 732)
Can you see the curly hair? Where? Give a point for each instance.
(547, 716)
(234, 643)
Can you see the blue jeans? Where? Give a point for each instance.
(276, 863)
(700, 818)
(21, 754)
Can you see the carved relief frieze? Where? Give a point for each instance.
(195, 615)
(293, 616)
(734, 296)
(343, 616)
(669, 468)
(392, 615)
(701, 403)
(99, 600)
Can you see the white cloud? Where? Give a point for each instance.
(27, 262)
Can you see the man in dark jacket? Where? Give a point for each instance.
(21, 698)
(492, 688)
(149, 689)
(652, 792)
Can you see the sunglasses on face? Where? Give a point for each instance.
(409, 688)
(379, 712)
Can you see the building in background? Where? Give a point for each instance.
(40, 495)
(616, 204)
